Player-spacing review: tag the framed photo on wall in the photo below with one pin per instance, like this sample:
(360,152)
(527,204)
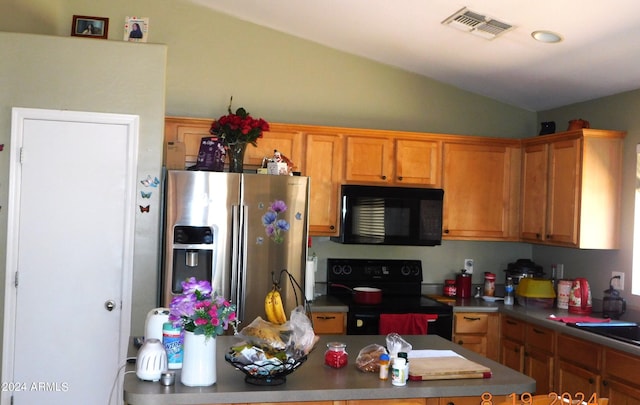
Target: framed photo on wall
(136,29)
(91,27)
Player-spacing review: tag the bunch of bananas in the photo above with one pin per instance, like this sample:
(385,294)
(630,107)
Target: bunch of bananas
(274,308)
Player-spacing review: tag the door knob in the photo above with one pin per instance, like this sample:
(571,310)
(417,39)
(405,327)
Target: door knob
(110,305)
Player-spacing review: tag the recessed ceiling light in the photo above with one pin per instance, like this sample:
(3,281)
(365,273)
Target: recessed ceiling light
(546,36)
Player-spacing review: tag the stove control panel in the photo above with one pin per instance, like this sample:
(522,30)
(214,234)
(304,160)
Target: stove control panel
(367,270)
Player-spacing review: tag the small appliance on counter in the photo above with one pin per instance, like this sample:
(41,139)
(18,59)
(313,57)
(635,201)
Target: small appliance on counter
(523,268)
(535,292)
(580,297)
(613,305)
(151,361)
(154,322)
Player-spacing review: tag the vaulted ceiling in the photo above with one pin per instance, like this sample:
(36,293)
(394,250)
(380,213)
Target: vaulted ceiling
(599,53)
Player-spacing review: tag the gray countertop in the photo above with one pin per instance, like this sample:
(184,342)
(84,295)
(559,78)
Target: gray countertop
(533,315)
(314,381)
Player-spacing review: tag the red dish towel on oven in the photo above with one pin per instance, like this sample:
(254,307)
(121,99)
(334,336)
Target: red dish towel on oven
(405,324)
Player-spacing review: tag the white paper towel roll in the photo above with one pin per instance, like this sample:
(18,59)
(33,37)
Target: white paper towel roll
(309,279)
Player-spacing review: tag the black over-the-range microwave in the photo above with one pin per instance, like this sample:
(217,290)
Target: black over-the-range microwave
(390,215)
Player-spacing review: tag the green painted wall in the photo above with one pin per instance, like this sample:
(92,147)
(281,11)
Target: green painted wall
(51,72)
(273,75)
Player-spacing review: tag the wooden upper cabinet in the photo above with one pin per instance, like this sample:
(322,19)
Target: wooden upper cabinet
(398,159)
(481,189)
(369,159)
(188,131)
(417,162)
(286,140)
(571,189)
(535,163)
(323,164)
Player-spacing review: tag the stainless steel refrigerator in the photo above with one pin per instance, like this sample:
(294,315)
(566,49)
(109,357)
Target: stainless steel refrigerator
(235,230)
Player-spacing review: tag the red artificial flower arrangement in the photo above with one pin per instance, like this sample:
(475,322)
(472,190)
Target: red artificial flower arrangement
(238,128)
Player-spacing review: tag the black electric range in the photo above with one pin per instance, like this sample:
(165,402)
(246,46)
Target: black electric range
(401,284)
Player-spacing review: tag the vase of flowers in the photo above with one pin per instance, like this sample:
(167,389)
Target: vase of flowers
(203,315)
(235,131)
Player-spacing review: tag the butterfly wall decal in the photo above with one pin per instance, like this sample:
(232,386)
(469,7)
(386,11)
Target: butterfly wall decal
(145,209)
(145,195)
(150,182)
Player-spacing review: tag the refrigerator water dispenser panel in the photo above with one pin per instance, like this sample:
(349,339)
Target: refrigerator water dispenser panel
(192,235)
(193,251)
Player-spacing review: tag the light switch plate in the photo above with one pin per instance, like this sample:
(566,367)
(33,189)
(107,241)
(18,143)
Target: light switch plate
(468,265)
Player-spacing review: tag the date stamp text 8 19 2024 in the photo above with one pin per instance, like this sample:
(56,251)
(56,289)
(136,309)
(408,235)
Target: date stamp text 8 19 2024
(551,398)
(34,386)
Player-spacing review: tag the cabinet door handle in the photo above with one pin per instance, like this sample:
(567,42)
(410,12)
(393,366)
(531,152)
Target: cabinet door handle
(383,177)
(327,318)
(332,227)
(468,318)
(605,383)
(591,380)
(510,322)
(538,331)
(446,231)
(400,178)
(537,236)
(460,342)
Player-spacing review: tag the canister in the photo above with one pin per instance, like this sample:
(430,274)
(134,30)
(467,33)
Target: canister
(463,285)
(336,355)
(172,340)
(489,284)
(449,289)
(564,290)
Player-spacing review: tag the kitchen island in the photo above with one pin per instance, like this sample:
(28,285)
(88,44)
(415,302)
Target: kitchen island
(315,382)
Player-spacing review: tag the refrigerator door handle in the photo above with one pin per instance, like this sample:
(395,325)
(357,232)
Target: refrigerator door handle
(238,257)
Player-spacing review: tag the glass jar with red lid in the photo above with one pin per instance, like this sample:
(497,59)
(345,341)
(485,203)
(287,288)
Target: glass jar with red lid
(449,289)
(336,355)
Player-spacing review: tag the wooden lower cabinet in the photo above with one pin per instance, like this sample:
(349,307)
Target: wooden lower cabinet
(579,365)
(620,377)
(495,399)
(329,323)
(476,400)
(529,349)
(479,332)
(405,401)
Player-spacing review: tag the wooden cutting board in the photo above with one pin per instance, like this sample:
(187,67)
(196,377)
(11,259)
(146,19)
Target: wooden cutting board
(445,368)
(440,298)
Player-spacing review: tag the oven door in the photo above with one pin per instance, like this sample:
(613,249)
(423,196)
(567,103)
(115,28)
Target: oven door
(368,323)
(362,323)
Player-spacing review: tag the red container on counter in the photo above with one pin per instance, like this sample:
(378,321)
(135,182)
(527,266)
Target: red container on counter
(336,355)
(449,289)
(463,285)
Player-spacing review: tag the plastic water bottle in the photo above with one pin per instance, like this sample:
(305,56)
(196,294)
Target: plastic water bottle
(508,292)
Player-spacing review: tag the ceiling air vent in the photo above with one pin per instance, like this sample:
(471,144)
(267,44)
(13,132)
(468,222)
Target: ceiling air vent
(477,24)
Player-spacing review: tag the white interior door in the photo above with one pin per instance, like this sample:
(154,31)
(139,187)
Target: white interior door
(70,249)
